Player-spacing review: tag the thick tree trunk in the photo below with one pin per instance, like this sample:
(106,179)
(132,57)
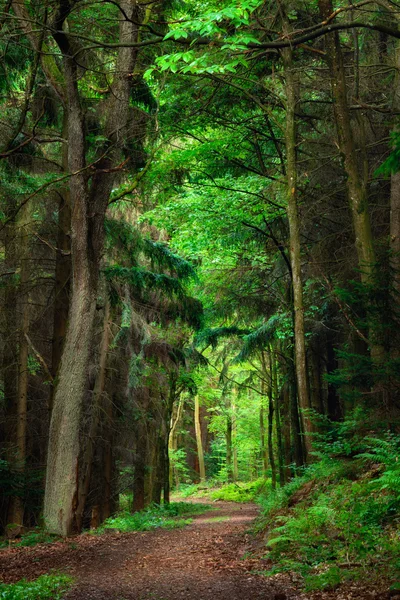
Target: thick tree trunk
(63,267)
(356,181)
(356,184)
(87,459)
(62,476)
(88,206)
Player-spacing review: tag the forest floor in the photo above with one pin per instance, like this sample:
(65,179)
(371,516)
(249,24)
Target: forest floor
(211,559)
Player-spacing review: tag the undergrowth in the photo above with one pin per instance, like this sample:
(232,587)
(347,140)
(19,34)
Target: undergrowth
(31,538)
(170,516)
(229,492)
(46,587)
(340,520)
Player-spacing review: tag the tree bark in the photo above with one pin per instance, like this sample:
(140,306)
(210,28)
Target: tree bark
(16,509)
(87,459)
(88,205)
(395,207)
(295,247)
(199,441)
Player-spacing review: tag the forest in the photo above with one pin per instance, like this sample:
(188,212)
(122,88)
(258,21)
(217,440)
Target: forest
(200,296)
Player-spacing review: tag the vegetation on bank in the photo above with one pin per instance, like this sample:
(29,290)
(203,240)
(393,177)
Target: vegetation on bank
(46,587)
(171,516)
(228,492)
(164,516)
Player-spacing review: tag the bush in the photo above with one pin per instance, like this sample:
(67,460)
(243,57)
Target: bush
(46,587)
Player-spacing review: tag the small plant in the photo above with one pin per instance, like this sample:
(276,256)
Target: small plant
(327,580)
(46,587)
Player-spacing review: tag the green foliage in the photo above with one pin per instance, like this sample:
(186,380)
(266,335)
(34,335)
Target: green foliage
(46,587)
(178,462)
(33,537)
(386,452)
(241,492)
(211,337)
(328,579)
(154,517)
(260,338)
(337,514)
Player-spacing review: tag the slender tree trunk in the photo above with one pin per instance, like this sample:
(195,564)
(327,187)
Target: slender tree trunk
(286,429)
(228,437)
(297,434)
(16,509)
(199,441)
(10,350)
(278,428)
(294,239)
(173,437)
(270,439)
(235,466)
(139,481)
(264,451)
(395,208)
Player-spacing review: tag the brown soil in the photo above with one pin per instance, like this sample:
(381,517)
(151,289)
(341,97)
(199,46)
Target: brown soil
(207,560)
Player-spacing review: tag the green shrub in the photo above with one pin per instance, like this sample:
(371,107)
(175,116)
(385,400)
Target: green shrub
(46,587)
(328,579)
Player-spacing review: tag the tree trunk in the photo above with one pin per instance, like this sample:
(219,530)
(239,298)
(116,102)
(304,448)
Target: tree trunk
(294,239)
(173,438)
(285,402)
(395,208)
(270,440)
(235,466)
(88,206)
(63,266)
(16,509)
(199,441)
(87,459)
(264,452)
(278,428)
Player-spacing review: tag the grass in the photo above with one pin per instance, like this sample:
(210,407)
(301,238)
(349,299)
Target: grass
(46,587)
(171,516)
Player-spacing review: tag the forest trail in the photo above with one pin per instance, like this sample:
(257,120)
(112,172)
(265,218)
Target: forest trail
(203,561)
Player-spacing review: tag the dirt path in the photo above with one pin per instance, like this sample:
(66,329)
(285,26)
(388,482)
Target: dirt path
(204,561)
